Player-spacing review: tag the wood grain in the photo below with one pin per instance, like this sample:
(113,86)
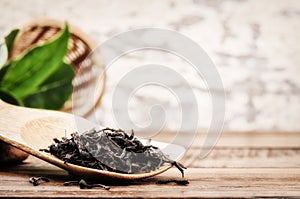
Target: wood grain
(222,157)
(204,182)
(243,149)
(257,139)
(230,170)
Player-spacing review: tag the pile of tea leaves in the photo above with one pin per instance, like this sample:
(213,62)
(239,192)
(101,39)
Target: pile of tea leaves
(111,150)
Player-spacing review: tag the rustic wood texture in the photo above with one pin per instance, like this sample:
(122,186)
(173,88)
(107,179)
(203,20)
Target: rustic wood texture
(230,170)
(244,158)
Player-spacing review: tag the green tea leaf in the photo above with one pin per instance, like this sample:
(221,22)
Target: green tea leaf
(25,74)
(3,54)
(7,97)
(5,49)
(3,71)
(10,38)
(55,91)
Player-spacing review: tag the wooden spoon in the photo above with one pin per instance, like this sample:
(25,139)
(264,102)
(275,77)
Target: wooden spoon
(33,129)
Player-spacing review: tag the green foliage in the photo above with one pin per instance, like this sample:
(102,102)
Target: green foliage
(39,78)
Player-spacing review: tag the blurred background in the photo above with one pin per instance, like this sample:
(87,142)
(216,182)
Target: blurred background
(254,45)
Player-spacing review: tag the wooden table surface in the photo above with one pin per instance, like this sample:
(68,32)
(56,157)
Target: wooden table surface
(241,165)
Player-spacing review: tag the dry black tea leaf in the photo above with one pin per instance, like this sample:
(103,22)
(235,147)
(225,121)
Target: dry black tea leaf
(111,150)
(37,180)
(178,182)
(84,185)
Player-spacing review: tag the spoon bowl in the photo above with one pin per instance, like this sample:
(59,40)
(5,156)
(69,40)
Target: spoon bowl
(32,129)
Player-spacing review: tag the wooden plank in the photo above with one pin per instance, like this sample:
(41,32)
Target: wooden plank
(255,139)
(204,182)
(225,157)
(260,139)
(230,170)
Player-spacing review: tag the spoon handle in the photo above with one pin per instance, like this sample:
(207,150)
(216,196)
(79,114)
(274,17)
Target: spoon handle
(12,119)
(31,129)
(34,125)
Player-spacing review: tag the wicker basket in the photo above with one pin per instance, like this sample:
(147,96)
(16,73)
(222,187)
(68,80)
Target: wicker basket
(79,55)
